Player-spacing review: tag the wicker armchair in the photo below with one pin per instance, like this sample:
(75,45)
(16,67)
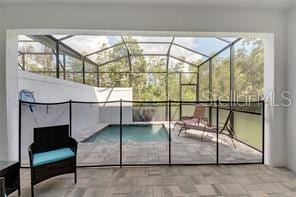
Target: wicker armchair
(53,153)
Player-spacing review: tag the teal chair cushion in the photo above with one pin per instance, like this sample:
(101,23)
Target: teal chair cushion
(52,156)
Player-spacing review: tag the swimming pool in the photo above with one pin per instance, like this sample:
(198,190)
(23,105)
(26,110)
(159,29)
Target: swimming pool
(130,133)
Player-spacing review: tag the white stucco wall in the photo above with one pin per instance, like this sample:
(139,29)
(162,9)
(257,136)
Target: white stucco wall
(3,123)
(49,89)
(291,85)
(165,18)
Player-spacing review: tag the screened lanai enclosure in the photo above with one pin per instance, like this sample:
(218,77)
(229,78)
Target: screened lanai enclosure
(172,79)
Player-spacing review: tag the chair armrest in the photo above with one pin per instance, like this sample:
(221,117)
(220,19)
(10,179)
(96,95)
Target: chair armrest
(72,143)
(31,150)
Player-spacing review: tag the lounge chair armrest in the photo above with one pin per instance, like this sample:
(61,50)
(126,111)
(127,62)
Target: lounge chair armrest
(187,118)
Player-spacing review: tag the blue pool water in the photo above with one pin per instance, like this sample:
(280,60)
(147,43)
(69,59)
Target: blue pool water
(130,133)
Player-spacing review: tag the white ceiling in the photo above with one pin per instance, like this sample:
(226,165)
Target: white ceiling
(232,3)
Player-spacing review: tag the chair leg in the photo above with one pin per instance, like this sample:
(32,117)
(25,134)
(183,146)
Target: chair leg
(75,177)
(180,131)
(19,190)
(32,190)
(234,146)
(203,134)
(232,135)
(174,124)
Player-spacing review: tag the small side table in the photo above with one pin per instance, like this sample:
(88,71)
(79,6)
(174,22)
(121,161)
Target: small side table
(10,170)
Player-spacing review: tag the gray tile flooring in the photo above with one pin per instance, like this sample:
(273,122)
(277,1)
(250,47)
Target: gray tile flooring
(187,181)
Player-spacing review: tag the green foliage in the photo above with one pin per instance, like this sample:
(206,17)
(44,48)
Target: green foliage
(221,76)
(204,82)
(249,69)
(40,63)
